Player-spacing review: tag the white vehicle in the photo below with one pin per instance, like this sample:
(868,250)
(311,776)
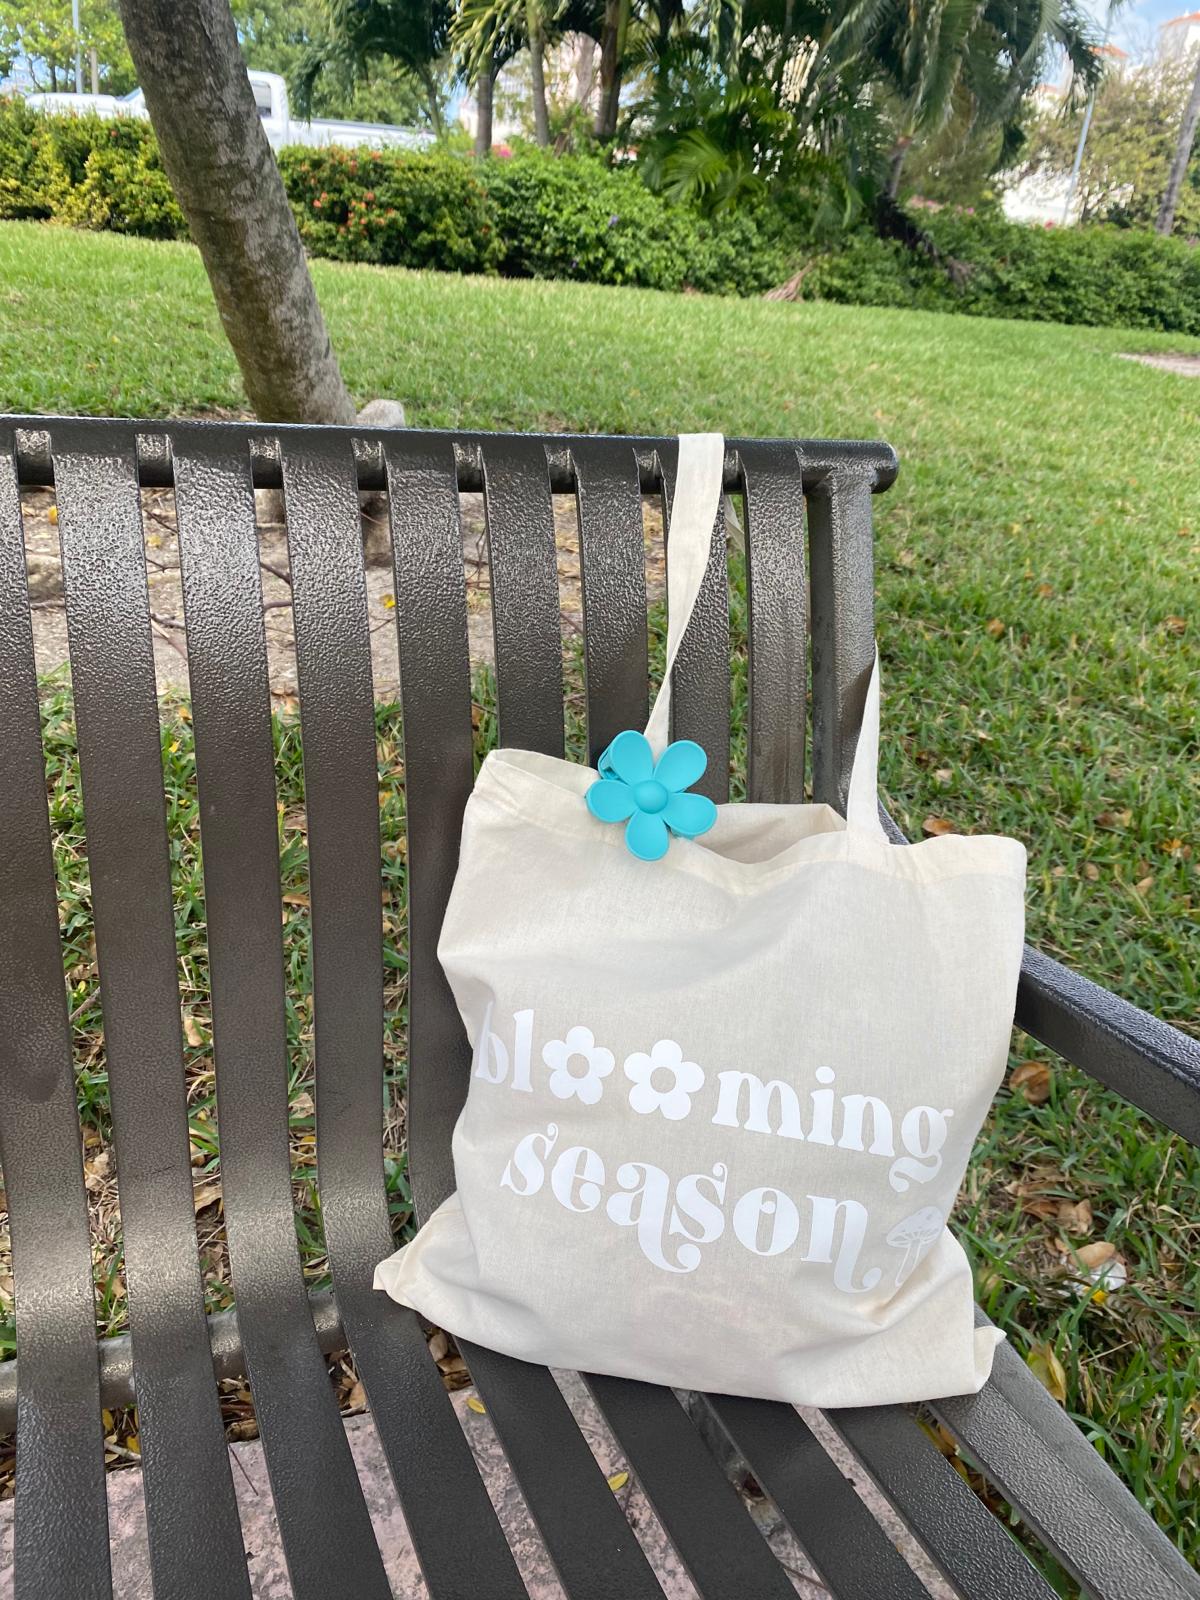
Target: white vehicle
(271,98)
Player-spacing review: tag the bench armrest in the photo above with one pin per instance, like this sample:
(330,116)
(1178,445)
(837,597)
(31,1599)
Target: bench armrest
(1151,1064)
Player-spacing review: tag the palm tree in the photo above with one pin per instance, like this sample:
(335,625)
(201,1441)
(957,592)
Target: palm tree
(413,33)
(979,58)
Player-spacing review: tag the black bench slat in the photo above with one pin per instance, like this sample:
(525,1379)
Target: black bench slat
(700,691)
(594,1550)
(839,1535)
(1026,1444)
(523,561)
(323,1521)
(841,558)
(969,1545)
(428,1456)
(435,695)
(698,1507)
(60,1535)
(190,1501)
(776,604)
(612,556)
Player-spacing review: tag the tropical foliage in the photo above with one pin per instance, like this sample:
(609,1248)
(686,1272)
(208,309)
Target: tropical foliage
(726,101)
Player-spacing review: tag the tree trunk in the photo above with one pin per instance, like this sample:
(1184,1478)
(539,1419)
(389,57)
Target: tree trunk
(537,72)
(94,62)
(606,112)
(1183,154)
(229,188)
(896,167)
(485,87)
(430,84)
(612,50)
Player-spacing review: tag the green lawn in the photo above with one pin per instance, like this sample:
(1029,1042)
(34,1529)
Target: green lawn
(1039,617)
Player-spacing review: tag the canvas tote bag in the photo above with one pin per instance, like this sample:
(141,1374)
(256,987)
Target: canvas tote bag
(728,1065)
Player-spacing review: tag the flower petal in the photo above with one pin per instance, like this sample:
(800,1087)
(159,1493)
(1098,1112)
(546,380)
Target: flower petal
(629,758)
(681,765)
(610,800)
(689,814)
(647,836)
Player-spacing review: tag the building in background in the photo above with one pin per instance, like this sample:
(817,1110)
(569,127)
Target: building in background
(1180,36)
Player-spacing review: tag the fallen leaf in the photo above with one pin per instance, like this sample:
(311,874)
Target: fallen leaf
(52,514)
(295,900)
(1091,871)
(617,1480)
(1048,1370)
(1044,591)
(205,1194)
(1031,1079)
(192,1031)
(934,827)
(1075,1216)
(1175,625)
(357,1398)
(1098,1254)
(995,628)
(1145,883)
(96,1171)
(474,1403)
(439,1346)
(1114,820)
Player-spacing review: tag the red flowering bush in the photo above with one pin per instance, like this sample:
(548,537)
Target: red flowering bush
(402,211)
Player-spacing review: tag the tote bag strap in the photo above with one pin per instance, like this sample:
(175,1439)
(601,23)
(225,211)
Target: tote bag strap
(699,488)
(699,485)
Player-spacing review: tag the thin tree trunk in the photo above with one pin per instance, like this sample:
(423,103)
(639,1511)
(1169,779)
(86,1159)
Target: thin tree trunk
(537,72)
(606,112)
(228,186)
(485,95)
(896,167)
(94,62)
(431,98)
(1183,154)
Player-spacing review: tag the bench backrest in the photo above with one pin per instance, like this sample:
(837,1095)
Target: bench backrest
(807,515)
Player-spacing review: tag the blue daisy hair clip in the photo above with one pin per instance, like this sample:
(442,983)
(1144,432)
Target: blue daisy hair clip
(650,797)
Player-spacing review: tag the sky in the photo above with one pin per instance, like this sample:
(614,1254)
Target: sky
(1136,22)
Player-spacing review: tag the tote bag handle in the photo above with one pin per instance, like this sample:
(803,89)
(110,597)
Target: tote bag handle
(699,490)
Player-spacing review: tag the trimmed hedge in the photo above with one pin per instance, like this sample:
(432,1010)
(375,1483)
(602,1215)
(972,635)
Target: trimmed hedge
(532,215)
(538,215)
(1100,276)
(85,171)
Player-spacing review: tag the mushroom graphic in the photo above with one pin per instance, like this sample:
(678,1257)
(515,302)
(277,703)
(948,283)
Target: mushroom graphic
(914,1236)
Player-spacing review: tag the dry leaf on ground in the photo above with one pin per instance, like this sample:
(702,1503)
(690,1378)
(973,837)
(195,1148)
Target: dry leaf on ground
(1032,1079)
(1048,1370)
(934,827)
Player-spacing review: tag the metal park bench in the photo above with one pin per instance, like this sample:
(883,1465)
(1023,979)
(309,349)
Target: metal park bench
(798,497)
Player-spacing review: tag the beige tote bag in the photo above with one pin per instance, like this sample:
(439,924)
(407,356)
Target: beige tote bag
(722,1092)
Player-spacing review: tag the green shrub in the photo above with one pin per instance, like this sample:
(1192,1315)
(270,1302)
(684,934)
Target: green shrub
(85,171)
(544,216)
(22,184)
(1098,276)
(393,209)
(573,217)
